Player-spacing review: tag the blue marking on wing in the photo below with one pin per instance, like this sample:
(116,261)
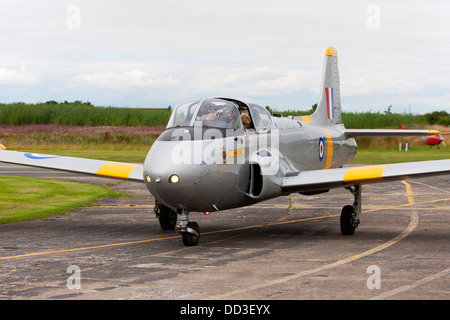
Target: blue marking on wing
(37,157)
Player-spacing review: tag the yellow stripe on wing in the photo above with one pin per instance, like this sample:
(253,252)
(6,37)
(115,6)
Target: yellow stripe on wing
(364,173)
(117,170)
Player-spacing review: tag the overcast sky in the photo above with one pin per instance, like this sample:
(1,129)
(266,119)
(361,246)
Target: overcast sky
(159,53)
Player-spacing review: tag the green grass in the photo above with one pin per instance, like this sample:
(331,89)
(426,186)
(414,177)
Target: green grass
(393,155)
(79,113)
(53,137)
(24,198)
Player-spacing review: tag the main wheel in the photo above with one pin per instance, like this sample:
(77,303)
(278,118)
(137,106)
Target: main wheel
(167,218)
(190,239)
(347,227)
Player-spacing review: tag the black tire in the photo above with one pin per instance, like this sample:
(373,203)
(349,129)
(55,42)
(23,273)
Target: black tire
(190,239)
(347,228)
(167,218)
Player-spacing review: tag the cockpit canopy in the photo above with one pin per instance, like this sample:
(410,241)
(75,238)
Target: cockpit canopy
(215,113)
(220,113)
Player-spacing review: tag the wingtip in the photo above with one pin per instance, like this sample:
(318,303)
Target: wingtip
(331,51)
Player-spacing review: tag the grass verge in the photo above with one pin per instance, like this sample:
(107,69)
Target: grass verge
(393,155)
(24,198)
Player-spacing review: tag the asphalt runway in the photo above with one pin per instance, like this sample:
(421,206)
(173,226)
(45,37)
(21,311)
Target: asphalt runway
(288,248)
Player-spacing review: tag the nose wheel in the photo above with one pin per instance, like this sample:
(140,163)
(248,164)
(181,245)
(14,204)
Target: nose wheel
(191,236)
(190,231)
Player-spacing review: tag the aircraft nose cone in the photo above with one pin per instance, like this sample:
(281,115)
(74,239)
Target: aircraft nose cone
(168,181)
(190,185)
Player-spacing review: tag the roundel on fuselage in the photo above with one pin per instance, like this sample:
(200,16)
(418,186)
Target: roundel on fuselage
(321,148)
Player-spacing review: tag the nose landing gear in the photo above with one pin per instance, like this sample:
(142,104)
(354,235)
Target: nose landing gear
(190,231)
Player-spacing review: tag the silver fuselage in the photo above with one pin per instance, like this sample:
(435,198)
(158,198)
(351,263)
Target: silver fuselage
(223,170)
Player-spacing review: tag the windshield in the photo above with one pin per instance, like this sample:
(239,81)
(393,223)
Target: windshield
(214,113)
(182,114)
(261,117)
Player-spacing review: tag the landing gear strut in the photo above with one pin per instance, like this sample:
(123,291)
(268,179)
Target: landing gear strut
(190,231)
(350,214)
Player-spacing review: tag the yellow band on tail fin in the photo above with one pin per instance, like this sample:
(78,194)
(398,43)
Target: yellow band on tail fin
(331,52)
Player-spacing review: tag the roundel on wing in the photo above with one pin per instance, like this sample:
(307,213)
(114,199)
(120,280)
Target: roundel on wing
(321,148)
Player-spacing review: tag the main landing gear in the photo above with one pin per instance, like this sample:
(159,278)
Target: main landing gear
(167,217)
(350,214)
(190,231)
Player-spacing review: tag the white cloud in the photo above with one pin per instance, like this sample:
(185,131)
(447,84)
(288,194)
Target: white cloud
(172,50)
(17,77)
(125,80)
(365,82)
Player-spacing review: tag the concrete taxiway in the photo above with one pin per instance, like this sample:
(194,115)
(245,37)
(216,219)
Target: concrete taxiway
(288,248)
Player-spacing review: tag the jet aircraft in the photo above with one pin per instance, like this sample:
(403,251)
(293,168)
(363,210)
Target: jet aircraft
(220,153)
(436,140)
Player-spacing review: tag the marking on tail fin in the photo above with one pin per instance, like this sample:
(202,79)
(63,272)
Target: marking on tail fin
(331,52)
(330,105)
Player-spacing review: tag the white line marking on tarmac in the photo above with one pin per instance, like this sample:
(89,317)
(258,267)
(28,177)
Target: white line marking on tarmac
(413,222)
(412,285)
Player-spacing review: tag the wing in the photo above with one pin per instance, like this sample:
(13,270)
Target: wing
(95,167)
(320,180)
(372,133)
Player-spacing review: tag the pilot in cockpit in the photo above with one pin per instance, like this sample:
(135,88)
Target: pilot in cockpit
(208,112)
(230,116)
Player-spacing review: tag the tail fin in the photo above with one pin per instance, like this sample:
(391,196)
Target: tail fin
(328,110)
